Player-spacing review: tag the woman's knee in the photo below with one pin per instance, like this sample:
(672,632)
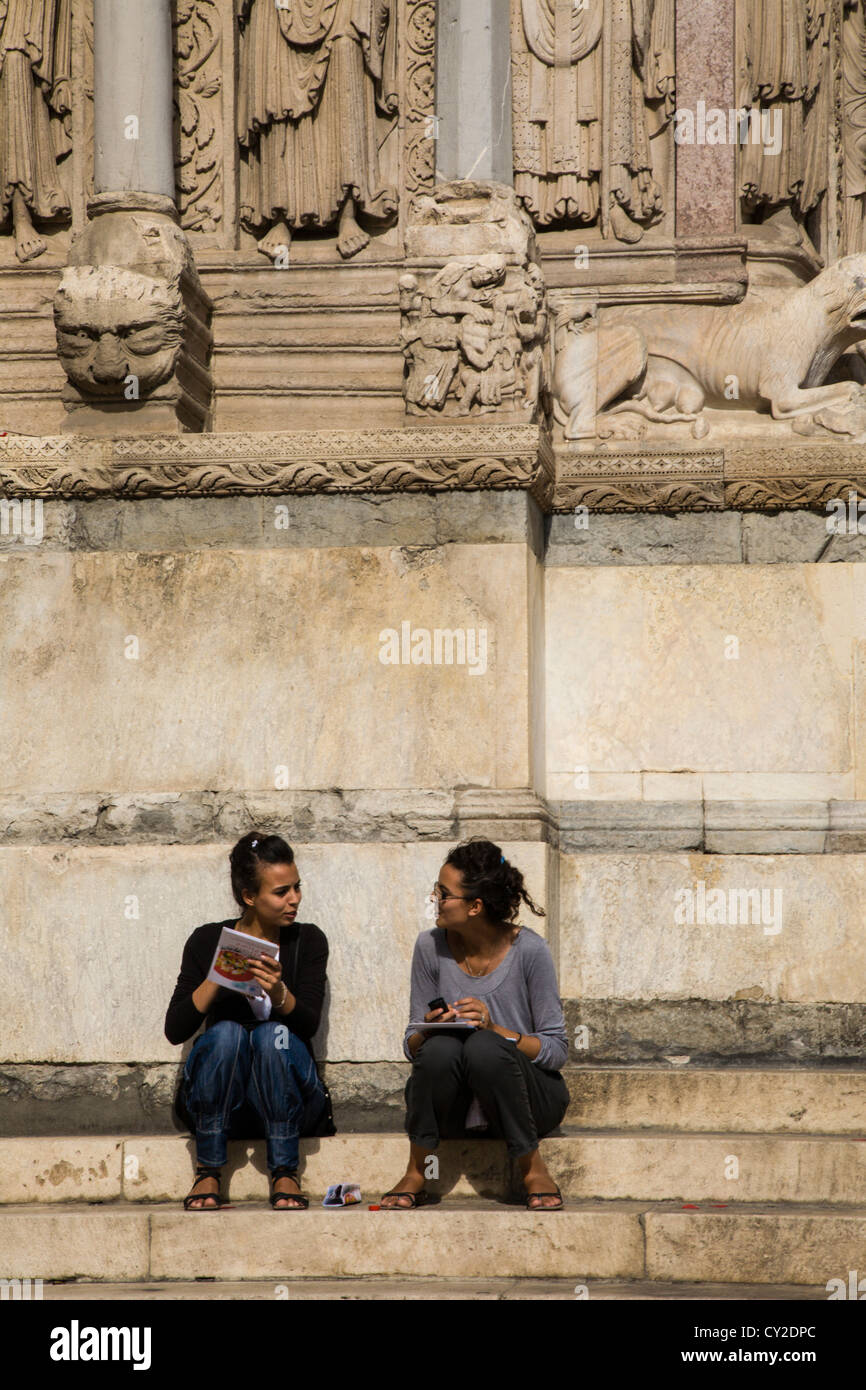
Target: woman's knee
(223,1041)
(438,1054)
(484,1052)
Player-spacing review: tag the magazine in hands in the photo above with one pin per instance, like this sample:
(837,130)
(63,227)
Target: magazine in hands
(229,967)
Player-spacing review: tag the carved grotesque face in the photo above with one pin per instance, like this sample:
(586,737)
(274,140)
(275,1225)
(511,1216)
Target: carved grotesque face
(113,324)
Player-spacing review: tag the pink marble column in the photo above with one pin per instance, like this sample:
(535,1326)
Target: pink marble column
(706,200)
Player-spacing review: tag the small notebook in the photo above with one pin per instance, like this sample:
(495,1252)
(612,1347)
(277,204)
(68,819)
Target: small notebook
(455,1023)
(229,967)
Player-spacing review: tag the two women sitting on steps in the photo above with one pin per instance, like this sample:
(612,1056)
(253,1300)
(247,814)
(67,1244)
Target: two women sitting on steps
(491,1064)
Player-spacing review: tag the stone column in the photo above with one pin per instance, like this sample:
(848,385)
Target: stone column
(133,97)
(706,197)
(132,318)
(472,126)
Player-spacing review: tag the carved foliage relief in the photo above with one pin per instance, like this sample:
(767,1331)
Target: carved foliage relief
(198,52)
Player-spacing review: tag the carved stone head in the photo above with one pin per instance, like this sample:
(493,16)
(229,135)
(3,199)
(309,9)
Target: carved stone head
(113,324)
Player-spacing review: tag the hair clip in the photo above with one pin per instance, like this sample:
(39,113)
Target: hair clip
(502,858)
(253,844)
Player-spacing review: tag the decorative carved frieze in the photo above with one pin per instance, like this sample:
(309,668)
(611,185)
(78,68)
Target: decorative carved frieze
(437,460)
(640,480)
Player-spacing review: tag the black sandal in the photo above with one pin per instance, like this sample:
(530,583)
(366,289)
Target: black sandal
(297,1200)
(216,1198)
(416,1199)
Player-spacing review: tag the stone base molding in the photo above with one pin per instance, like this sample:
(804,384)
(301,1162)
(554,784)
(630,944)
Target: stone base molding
(193,465)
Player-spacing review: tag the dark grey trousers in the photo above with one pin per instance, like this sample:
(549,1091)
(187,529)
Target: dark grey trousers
(521,1101)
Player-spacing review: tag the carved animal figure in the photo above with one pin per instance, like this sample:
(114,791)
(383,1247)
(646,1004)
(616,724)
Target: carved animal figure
(755,354)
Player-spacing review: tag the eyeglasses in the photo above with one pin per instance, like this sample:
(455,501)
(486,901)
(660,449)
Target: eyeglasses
(442,893)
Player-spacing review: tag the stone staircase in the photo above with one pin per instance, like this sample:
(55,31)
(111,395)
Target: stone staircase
(696,1183)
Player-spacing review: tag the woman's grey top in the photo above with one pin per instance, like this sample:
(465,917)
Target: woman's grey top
(521,993)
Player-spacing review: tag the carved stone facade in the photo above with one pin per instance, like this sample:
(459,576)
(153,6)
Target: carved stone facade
(342,282)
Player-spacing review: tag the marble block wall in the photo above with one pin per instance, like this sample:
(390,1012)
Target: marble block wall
(663,726)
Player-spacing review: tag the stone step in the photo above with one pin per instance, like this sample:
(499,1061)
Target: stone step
(460,1240)
(761,1100)
(432,1290)
(648,1166)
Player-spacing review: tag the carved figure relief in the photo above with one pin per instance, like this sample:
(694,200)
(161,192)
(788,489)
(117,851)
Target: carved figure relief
(669,364)
(783,78)
(474,337)
(317,94)
(35,107)
(592,83)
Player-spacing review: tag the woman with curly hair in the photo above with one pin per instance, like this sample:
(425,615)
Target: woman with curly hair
(509,1060)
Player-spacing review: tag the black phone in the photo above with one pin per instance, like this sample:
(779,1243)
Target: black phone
(438,1003)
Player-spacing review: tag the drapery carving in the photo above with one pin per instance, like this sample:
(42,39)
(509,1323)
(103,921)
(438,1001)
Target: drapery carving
(782,69)
(35,108)
(592,84)
(317,93)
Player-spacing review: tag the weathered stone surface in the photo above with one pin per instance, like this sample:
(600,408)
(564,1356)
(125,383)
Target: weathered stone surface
(60,1170)
(197,617)
(111,1097)
(690,538)
(737,1098)
(707,1030)
(769,1248)
(639,678)
(635,1166)
(368,1096)
(82,1243)
(755,947)
(601,1243)
(288,522)
(432,1290)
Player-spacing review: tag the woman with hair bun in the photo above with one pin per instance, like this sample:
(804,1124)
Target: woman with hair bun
(491,972)
(251,1071)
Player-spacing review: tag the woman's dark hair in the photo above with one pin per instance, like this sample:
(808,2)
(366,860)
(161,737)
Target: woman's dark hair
(488,875)
(255,849)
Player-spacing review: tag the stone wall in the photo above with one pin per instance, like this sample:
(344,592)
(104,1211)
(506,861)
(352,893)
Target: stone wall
(610,745)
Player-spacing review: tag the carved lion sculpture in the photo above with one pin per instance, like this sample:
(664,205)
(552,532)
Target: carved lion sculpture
(772,353)
(113,324)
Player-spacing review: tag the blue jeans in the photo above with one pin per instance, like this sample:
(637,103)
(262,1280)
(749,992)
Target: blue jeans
(266,1066)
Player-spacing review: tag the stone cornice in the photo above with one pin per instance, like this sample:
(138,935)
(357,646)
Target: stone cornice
(436,459)
(747,476)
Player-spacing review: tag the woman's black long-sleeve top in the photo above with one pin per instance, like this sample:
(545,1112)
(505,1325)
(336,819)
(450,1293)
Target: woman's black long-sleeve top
(183,1018)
